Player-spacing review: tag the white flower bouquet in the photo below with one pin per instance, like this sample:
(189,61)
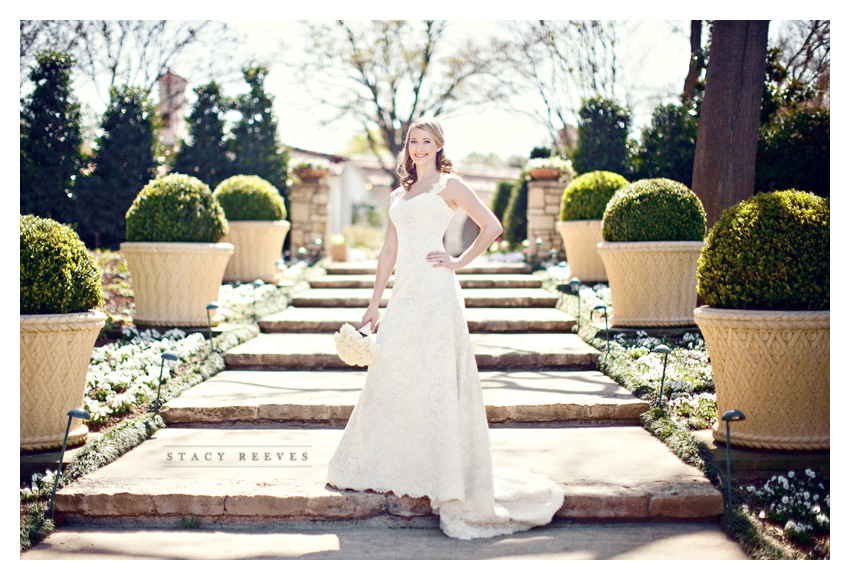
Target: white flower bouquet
(355,347)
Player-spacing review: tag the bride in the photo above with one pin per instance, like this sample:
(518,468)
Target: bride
(419,427)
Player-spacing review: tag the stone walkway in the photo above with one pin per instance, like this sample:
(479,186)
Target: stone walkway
(250,446)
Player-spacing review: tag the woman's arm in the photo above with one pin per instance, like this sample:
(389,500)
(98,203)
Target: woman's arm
(386,264)
(460,194)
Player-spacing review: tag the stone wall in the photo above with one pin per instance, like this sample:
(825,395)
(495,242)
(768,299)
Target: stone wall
(310,217)
(544,207)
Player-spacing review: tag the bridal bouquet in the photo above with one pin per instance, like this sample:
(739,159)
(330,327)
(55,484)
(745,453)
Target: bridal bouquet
(355,347)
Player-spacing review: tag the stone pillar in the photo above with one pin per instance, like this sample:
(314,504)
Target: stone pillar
(544,211)
(309,214)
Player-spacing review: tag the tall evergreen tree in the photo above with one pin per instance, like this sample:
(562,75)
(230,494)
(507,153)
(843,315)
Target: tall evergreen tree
(204,155)
(500,200)
(603,134)
(124,161)
(51,137)
(255,146)
(668,144)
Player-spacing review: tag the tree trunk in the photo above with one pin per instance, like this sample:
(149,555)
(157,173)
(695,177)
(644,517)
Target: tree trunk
(725,161)
(697,63)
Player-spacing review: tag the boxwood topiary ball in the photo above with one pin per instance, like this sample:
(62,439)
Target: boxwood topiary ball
(176,208)
(586,197)
(769,252)
(58,275)
(654,210)
(250,198)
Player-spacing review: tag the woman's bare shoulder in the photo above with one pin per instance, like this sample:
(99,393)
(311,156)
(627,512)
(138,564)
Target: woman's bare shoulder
(456,184)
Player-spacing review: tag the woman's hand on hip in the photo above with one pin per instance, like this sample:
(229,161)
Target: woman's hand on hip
(442,259)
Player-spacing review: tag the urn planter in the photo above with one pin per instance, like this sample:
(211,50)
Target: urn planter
(311,174)
(174,281)
(258,246)
(55,354)
(545,173)
(580,239)
(773,366)
(653,284)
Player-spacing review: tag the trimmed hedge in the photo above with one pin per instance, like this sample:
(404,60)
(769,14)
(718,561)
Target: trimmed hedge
(587,196)
(654,210)
(176,208)
(250,198)
(58,275)
(769,252)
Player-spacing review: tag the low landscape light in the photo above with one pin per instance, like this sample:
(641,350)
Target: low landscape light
(210,306)
(78,413)
(604,309)
(665,350)
(575,288)
(730,416)
(257,284)
(167,355)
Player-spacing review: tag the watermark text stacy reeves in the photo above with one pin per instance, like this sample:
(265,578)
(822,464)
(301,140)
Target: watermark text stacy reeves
(237,456)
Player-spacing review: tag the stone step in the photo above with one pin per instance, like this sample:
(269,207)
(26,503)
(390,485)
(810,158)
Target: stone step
(260,475)
(328,397)
(473,297)
(466,281)
(479,320)
(496,351)
(476,267)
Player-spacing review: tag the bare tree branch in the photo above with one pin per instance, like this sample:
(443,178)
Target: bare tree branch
(385,74)
(563,62)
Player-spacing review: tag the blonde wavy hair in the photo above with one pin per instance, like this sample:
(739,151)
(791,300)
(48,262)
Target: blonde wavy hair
(405,168)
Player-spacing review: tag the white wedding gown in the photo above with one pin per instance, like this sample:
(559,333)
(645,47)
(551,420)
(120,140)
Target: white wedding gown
(419,427)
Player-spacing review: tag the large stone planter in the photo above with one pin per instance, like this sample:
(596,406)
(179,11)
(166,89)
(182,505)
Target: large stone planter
(652,283)
(173,281)
(258,245)
(55,354)
(773,366)
(580,240)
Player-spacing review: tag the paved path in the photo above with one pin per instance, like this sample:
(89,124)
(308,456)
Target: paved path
(381,540)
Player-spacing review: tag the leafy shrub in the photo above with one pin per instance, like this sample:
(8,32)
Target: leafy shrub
(176,208)
(58,275)
(793,153)
(668,145)
(250,198)
(515,221)
(769,252)
(654,210)
(586,197)
(500,200)
(603,136)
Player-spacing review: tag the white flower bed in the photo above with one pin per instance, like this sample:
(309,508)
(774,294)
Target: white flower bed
(125,373)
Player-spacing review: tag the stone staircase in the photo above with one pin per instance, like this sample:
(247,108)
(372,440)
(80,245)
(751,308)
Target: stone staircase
(253,442)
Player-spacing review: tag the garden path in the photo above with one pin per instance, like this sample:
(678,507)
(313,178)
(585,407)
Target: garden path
(252,443)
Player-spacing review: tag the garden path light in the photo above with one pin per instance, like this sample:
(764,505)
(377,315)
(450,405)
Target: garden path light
(168,355)
(604,309)
(664,349)
(78,413)
(728,416)
(210,306)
